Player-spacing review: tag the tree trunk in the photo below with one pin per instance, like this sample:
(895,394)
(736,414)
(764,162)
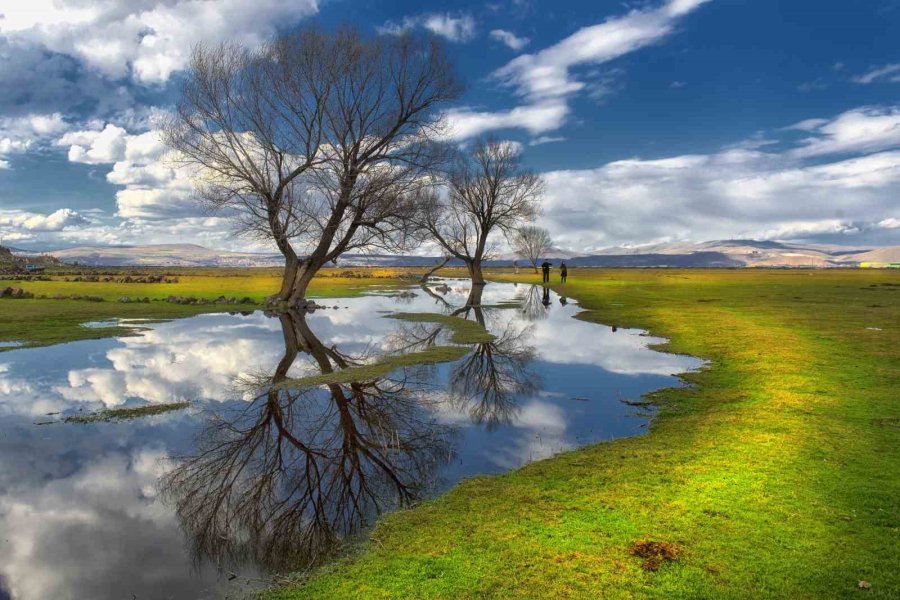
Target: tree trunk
(474,302)
(474,268)
(302,278)
(291,263)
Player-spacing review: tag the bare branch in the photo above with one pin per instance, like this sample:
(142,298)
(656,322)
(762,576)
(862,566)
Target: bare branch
(532,243)
(489,192)
(320,142)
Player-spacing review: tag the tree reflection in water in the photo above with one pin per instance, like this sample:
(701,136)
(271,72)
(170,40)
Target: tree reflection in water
(282,482)
(532,299)
(485,383)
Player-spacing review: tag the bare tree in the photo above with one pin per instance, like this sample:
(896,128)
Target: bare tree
(317,141)
(488,191)
(531,242)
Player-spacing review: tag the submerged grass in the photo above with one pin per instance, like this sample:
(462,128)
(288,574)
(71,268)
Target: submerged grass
(126,413)
(384,366)
(462,332)
(776,474)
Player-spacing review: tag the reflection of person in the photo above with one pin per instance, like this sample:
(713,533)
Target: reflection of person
(546,299)
(545,268)
(563,271)
(563,301)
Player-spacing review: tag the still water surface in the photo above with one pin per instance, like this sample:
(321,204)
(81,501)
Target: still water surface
(257,478)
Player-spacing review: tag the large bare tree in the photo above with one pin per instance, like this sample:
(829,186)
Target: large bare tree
(488,191)
(316,141)
(531,242)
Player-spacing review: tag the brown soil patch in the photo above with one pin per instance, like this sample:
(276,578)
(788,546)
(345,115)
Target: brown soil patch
(655,553)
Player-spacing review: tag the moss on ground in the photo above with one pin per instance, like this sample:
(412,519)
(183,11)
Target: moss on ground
(774,475)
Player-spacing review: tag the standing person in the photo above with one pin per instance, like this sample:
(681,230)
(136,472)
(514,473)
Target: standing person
(563,271)
(545,269)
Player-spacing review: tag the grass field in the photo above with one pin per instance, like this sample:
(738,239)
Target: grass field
(775,475)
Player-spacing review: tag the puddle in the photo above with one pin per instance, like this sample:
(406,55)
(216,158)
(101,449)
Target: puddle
(116,323)
(261,472)
(101,324)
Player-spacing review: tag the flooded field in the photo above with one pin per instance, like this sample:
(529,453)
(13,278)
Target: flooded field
(208,453)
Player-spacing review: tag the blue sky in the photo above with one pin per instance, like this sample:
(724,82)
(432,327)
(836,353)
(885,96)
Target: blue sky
(654,121)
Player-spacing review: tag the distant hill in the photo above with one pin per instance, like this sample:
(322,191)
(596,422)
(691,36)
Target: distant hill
(723,253)
(554,252)
(744,253)
(14,260)
(192,255)
(166,255)
(7,260)
(692,259)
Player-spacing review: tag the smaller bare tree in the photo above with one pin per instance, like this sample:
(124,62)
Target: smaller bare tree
(531,242)
(488,192)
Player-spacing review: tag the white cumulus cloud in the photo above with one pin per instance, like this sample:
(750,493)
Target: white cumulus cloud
(12,221)
(147,40)
(20,134)
(865,129)
(153,187)
(733,193)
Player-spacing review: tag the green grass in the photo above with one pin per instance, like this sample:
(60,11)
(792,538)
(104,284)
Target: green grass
(776,474)
(40,322)
(127,413)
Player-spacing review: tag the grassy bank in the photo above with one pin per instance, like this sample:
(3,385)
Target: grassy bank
(38,322)
(776,474)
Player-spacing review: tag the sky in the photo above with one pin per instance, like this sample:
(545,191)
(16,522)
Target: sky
(650,121)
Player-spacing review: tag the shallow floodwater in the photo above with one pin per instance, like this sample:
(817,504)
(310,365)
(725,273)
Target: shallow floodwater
(257,476)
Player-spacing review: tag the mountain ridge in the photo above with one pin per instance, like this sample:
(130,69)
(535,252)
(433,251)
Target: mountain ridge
(721,253)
